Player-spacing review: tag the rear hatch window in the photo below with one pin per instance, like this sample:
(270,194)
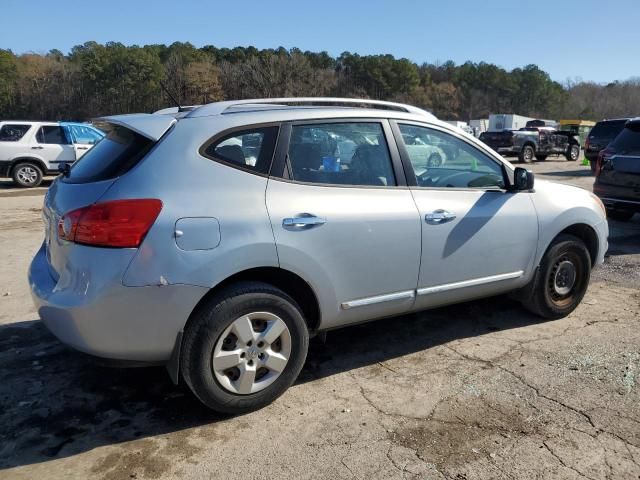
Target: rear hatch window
(628,142)
(117,153)
(607,129)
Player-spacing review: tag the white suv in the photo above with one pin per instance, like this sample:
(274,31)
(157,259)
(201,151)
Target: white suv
(30,150)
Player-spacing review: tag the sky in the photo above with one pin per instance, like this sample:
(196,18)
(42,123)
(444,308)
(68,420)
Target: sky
(591,40)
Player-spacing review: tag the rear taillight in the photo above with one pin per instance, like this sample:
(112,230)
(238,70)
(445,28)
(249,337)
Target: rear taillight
(118,223)
(601,159)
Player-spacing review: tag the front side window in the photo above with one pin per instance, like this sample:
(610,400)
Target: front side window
(441,160)
(13,133)
(247,149)
(340,154)
(86,135)
(52,134)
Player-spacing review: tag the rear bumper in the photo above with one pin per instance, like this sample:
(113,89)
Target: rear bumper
(616,197)
(110,320)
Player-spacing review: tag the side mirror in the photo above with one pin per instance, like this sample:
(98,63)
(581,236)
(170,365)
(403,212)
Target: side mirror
(522,179)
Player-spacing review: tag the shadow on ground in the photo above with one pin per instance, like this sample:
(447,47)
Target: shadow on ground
(56,403)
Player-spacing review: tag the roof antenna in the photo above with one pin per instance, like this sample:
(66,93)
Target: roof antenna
(173,99)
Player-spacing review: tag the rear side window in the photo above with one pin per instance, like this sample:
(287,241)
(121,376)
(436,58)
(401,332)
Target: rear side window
(250,149)
(53,135)
(628,142)
(608,129)
(113,156)
(13,133)
(340,154)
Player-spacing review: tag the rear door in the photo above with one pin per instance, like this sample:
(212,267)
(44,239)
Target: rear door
(54,146)
(343,219)
(478,239)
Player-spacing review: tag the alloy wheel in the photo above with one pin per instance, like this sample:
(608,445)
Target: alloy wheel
(251,353)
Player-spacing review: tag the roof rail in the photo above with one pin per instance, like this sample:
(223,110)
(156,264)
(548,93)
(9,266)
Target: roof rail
(219,108)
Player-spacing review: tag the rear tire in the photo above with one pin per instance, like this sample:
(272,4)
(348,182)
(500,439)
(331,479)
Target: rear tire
(620,215)
(573,153)
(562,279)
(592,165)
(527,154)
(234,323)
(26,175)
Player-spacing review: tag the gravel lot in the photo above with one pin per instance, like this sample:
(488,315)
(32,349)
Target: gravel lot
(475,391)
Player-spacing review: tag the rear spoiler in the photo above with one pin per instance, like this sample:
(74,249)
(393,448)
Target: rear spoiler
(149,125)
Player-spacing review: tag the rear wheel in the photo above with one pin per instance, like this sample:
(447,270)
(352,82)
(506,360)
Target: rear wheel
(573,153)
(527,154)
(621,215)
(27,174)
(562,279)
(244,347)
(592,164)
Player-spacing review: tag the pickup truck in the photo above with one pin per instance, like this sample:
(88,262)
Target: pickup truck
(533,142)
(30,150)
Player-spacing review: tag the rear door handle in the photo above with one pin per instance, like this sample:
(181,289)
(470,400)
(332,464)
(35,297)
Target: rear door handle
(37,148)
(302,222)
(82,148)
(438,217)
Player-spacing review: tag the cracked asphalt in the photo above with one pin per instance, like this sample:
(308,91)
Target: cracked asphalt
(474,391)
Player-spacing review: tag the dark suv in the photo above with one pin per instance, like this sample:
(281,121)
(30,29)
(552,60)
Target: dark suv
(600,136)
(618,173)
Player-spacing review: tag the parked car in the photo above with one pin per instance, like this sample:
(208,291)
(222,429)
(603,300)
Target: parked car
(168,243)
(600,136)
(618,173)
(30,150)
(533,142)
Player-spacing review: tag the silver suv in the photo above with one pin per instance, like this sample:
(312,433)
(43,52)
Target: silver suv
(217,240)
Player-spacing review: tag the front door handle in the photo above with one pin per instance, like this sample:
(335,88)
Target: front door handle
(438,217)
(302,222)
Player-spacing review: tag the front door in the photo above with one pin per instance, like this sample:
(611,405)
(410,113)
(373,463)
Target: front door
(478,239)
(343,221)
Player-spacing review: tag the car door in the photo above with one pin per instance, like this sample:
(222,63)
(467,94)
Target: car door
(478,238)
(54,146)
(83,138)
(343,218)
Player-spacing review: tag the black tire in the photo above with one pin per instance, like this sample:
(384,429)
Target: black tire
(620,215)
(27,174)
(211,320)
(573,153)
(592,164)
(542,297)
(527,154)
(541,158)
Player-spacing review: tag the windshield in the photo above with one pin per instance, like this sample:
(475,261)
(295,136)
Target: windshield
(607,129)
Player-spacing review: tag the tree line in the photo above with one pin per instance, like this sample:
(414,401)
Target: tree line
(100,79)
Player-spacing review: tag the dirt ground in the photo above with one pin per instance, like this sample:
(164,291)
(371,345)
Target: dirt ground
(479,390)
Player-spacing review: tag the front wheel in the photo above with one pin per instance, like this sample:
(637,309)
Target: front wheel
(27,174)
(526,154)
(562,279)
(244,347)
(573,153)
